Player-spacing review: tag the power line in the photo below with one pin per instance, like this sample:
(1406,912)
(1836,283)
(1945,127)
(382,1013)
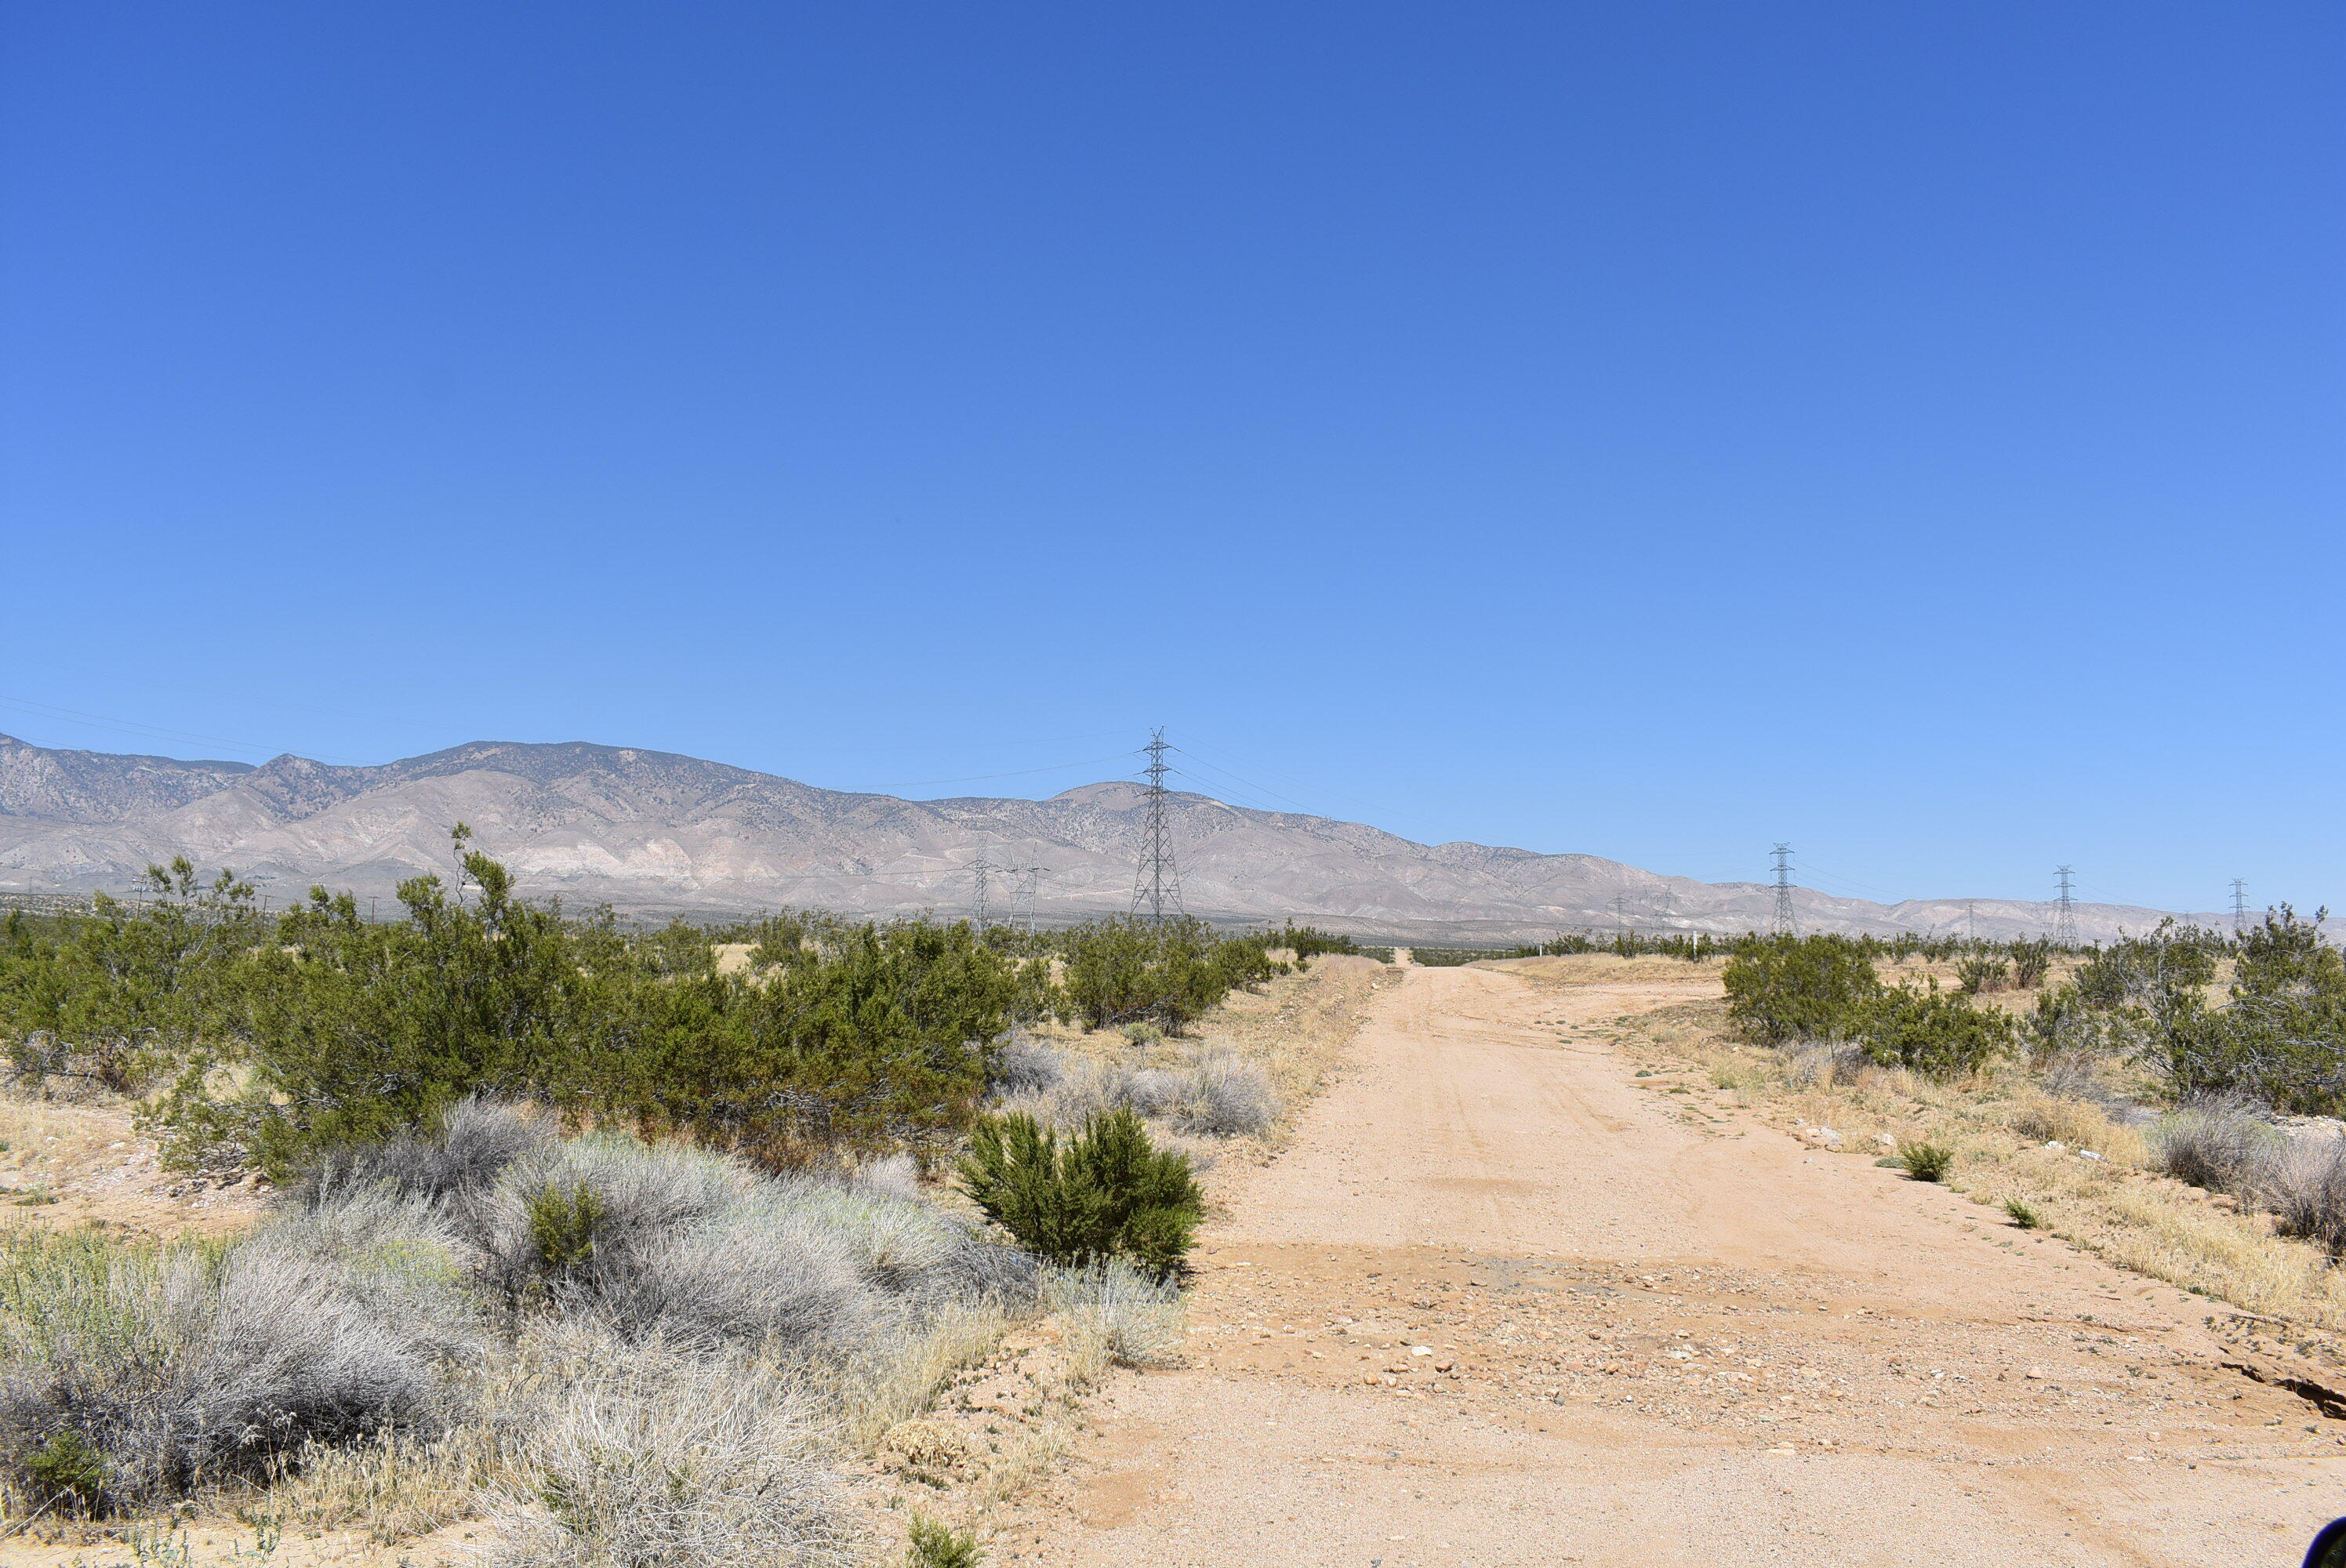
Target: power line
(2064,918)
(1156,881)
(1782,921)
(2239,904)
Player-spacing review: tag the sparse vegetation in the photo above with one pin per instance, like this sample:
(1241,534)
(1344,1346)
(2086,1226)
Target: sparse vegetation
(2022,1214)
(1926,1162)
(934,1545)
(1105,1193)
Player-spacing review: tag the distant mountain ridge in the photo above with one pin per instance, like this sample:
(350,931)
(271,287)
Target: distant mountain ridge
(654,832)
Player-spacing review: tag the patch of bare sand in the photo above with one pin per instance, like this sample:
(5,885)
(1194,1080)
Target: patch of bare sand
(68,1165)
(1498,1304)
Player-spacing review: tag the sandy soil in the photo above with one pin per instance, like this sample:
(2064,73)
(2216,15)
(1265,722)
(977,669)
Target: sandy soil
(1502,1302)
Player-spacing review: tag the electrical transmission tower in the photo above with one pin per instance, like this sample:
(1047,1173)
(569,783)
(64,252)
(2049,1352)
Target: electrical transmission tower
(2239,904)
(1157,884)
(979,870)
(1970,920)
(1782,921)
(1022,897)
(2064,918)
(1621,910)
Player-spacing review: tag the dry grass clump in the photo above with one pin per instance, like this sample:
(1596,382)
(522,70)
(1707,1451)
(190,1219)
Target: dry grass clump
(1115,1315)
(2306,1191)
(642,1453)
(2218,1144)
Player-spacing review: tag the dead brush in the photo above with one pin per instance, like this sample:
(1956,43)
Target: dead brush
(2222,1144)
(1820,1063)
(2306,1190)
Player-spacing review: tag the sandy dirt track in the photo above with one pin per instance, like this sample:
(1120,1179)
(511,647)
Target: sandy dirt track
(1502,1302)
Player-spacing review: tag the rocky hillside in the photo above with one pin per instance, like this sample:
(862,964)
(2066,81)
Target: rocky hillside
(653,831)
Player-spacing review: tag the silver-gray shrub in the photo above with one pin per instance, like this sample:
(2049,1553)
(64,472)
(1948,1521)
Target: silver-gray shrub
(634,1453)
(705,1251)
(2219,1143)
(1023,1067)
(1809,1062)
(2306,1190)
(1228,1097)
(1116,1313)
(184,1364)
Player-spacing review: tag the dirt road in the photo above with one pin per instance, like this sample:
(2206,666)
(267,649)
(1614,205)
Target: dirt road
(1503,1303)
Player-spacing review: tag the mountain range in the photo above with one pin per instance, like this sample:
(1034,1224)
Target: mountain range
(651,832)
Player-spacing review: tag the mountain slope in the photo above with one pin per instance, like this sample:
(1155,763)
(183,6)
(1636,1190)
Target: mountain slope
(651,830)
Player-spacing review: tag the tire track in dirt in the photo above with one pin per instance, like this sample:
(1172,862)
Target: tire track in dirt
(1499,1304)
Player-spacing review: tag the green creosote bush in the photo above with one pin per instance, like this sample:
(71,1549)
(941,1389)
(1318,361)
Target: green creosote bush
(1982,972)
(1799,988)
(562,1226)
(1824,988)
(2031,961)
(935,1545)
(1930,1032)
(2025,1217)
(1105,1192)
(1927,1162)
(67,1469)
(1125,969)
(2280,1038)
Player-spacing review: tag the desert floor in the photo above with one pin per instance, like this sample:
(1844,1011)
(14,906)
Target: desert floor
(1502,1302)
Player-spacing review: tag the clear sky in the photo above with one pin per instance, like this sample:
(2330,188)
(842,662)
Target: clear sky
(1655,430)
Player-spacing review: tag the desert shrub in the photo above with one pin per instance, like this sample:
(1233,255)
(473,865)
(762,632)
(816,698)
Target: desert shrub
(1121,970)
(2031,961)
(1981,972)
(2281,1039)
(2306,1190)
(705,1252)
(850,1040)
(2065,1024)
(1105,1192)
(1226,1097)
(175,1366)
(2025,1217)
(633,1454)
(1929,1032)
(929,1544)
(1926,1162)
(2217,1143)
(467,1148)
(1799,988)
(107,1000)
(1140,1032)
(1809,1062)
(1022,1067)
(1307,942)
(2136,970)
(2051,1119)
(1118,1314)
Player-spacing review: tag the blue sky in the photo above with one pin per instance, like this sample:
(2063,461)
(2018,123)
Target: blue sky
(1652,430)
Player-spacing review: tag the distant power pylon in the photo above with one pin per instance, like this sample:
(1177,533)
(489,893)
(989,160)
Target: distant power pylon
(1621,910)
(2239,903)
(1782,921)
(1022,897)
(1157,884)
(1970,920)
(979,870)
(2064,918)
